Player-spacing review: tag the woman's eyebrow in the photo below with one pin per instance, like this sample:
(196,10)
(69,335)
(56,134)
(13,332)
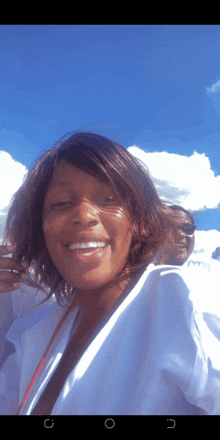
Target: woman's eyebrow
(71,185)
(56,185)
(53,184)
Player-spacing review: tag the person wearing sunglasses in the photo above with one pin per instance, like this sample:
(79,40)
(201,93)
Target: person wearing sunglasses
(114,335)
(179,242)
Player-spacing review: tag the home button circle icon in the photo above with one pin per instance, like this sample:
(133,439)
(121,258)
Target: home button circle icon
(109,423)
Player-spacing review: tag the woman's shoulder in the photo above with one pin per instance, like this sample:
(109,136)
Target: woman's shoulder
(198,285)
(192,275)
(28,299)
(162,274)
(29,311)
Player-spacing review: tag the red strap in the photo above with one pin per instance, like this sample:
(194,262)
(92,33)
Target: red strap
(43,358)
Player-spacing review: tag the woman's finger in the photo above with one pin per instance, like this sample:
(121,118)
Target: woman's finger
(7,263)
(10,281)
(11,277)
(11,264)
(5,250)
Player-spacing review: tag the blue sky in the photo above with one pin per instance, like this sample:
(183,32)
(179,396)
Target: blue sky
(153,86)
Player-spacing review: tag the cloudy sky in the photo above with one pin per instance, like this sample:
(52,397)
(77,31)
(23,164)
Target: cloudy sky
(153,88)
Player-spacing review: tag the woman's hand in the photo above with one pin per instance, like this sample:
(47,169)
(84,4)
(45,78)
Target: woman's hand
(12,273)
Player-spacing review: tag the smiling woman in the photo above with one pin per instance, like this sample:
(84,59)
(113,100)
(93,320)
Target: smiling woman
(86,188)
(179,243)
(88,234)
(114,329)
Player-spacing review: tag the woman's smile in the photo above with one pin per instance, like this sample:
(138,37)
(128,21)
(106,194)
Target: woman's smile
(90,255)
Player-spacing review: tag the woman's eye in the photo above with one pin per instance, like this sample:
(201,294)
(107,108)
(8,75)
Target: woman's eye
(60,205)
(102,201)
(108,200)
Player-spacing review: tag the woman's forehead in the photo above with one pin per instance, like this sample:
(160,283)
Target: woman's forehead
(182,217)
(66,173)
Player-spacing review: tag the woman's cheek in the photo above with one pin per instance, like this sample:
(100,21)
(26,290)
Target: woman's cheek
(53,225)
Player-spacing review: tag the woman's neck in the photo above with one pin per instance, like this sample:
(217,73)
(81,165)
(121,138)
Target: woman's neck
(95,304)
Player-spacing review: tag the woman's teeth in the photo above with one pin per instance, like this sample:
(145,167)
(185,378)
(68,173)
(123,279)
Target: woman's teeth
(91,244)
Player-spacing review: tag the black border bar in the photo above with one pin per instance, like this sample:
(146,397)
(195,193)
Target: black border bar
(109,423)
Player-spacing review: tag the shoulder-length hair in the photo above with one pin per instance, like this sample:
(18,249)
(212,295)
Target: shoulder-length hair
(110,163)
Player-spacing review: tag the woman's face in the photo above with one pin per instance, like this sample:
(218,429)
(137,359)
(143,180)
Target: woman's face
(86,228)
(182,244)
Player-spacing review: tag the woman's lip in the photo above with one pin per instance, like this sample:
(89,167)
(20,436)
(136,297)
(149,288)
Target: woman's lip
(181,245)
(181,248)
(84,239)
(94,256)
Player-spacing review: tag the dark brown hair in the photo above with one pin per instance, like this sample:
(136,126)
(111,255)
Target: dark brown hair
(109,162)
(180,208)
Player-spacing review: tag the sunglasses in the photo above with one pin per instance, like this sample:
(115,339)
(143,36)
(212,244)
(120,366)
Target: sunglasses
(188,228)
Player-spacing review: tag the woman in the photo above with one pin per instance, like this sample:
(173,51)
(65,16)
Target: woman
(115,334)
(179,243)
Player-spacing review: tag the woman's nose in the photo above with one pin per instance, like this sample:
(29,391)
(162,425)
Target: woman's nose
(180,234)
(85,213)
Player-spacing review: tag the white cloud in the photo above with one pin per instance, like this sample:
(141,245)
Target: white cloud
(11,177)
(188,181)
(214,88)
(205,244)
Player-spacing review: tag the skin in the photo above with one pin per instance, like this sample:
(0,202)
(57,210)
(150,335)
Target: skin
(10,281)
(85,205)
(179,255)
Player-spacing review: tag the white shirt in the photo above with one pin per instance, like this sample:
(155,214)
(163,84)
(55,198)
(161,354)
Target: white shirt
(158,354)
